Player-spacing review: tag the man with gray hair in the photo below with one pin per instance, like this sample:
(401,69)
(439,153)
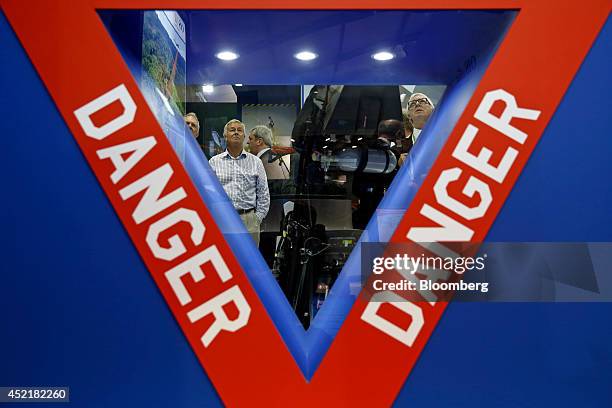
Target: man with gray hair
(415,116)
(419,110)
(260,144)
(243,178)
(191,120)
(260,140)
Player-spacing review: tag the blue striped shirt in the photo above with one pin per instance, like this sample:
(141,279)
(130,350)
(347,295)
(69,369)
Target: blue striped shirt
(244,180)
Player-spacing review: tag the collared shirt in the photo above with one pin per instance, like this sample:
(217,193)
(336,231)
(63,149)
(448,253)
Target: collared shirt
(415,135)
(244,180)
(262,151)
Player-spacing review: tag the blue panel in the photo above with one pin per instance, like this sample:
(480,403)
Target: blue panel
(565,191)
(77,306)
(533,355)
(73,315)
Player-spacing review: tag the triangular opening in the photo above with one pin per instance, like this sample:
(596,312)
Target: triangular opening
(332,161)
(330,153)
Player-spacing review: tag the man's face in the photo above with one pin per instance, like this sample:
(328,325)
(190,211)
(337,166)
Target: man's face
(192,124)
(419,110)
(255,144)
(235,135)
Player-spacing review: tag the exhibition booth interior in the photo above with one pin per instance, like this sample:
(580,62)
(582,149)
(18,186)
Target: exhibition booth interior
(335,89)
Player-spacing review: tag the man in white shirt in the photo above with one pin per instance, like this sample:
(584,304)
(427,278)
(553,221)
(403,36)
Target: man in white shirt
(243,178)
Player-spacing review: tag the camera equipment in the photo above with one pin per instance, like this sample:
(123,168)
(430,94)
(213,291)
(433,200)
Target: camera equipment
(340,158)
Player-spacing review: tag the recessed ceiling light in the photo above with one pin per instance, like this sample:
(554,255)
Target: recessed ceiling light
(227,55)
(383,56)
(237,84)
(208,88)
(305,56)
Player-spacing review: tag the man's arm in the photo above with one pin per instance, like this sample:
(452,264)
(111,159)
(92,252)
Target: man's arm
(262,199)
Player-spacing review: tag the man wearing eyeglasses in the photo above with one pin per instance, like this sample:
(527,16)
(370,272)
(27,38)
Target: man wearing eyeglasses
(418,112)
(420,108)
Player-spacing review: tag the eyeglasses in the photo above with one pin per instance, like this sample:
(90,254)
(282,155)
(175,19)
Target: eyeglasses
(414,103)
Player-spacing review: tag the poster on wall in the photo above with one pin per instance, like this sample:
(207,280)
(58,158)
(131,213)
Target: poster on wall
(163,82)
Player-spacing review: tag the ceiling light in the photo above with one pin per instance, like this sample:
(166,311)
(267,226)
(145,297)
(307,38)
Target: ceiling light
(383,56)
(238,84)
(227,55)
(208,88)
(305,56)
